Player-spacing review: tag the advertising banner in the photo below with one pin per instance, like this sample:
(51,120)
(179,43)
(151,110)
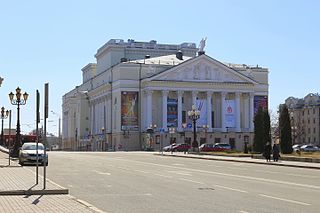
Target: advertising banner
(230,119)
(129,110)
(260,101)
(202,107)
(172,112)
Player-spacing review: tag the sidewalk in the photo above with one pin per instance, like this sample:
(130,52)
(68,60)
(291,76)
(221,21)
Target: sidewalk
(244,160)
(19,193)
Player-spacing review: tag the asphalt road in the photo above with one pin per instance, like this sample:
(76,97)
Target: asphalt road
(142,182)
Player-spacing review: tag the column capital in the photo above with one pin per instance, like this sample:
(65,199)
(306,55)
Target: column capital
(148,92)
(251,94)
(209,93)
(237,94)
(165,92)
(223,93)
(195,93)
(180,93)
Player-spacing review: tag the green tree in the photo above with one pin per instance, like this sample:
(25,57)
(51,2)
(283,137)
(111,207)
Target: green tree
(261,130)
(285,130)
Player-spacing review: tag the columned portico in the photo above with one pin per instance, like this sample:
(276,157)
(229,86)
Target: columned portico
(223,106)
(180,94)
(209,110)
(238,110)
(149,107)
(251,113)
(165,109)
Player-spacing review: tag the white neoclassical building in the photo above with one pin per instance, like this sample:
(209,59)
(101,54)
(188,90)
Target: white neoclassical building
(138,86)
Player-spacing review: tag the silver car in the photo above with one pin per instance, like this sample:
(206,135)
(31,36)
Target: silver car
(28,154)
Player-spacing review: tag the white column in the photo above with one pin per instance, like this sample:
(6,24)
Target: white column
(180,94)
(194,98)
(149,107)
(238,122)
(209,110)
(223,116)
(165,109)
(251,116)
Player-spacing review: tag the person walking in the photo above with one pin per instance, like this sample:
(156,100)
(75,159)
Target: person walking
(267,151)
(275,153)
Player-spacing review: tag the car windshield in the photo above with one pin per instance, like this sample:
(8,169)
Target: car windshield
(32,147)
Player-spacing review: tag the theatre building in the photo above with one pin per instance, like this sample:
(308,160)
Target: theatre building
(137,96)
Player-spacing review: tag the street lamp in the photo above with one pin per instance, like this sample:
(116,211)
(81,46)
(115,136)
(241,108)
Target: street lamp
(4,115)
(194,115)
(17,101)
(205,128)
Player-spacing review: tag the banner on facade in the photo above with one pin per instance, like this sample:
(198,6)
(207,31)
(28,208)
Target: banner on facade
(172,112)
(129,110)
(202,107)
(260,101)
(230,119)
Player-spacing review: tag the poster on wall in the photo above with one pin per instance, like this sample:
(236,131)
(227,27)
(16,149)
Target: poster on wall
(230,119)
(129,110)
(260,101)
(202,107)
(172,112)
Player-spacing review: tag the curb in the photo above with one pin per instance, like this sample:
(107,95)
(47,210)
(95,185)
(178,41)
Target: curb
(36,192)
(242,161)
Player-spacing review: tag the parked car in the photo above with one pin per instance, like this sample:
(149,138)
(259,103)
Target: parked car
(221,147)
(206,147)
(28,154)
(181,147)
(168,148)
(296,147)
(309,148)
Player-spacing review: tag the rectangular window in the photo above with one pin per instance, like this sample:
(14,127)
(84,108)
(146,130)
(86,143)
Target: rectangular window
(314,111)
(314,120)
(303,113)
(308,112)
(184,118)
(308,130)
(217,140)
(314,130)
(212,119)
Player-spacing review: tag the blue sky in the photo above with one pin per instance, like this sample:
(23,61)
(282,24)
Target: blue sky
(50,41)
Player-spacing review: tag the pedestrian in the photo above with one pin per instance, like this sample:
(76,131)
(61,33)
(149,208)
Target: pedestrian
(267,151)
(275,152)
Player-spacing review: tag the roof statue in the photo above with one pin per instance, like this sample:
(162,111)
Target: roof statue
(202,44)
(1,79)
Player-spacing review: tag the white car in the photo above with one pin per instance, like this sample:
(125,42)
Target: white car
(28,154)
(309,148)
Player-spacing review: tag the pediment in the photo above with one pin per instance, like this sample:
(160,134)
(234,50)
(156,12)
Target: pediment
(203,69)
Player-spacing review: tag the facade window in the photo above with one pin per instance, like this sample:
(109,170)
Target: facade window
(302,121)
(314,139)
(309,140)
(308,112)
(217,140)
(309,131)
(308,121)
(303,113)
(314,120)
(314,111)
(182,99)
(314,130)
(184,117)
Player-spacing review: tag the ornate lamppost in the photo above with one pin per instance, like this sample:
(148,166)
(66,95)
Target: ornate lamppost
(4,115)
(194,115)
(205,129)
(18,101)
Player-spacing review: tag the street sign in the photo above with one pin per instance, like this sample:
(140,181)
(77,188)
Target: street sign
(161,130)
(189,125)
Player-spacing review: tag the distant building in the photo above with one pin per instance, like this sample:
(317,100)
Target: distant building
(305,118)
(137,86)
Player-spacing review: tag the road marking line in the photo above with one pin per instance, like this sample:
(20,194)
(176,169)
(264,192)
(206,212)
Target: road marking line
(257,170)
(102,173)
(190,180)
(178,164)
(306,176)
(180,173)
(230,175)
(142,171)
(243,212)
(233,189)
(163,175)
(287,200)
